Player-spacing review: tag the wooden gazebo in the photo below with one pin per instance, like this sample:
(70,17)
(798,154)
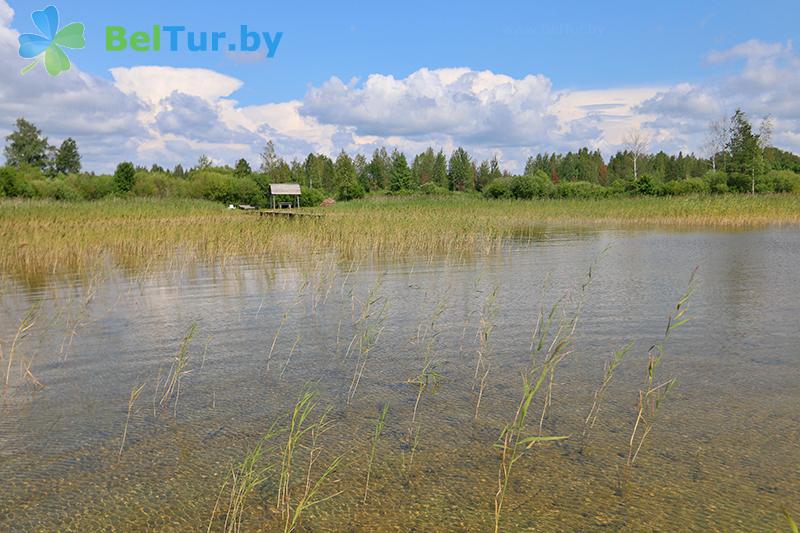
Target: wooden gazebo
(284,189)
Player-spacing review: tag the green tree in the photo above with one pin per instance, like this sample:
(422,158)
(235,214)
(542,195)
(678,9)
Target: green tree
(400,174)
(124,177)
(26,146)
(242,169)
(203,162)
(439,176)
(344,172)
(744,148)
(378,170)
(461,172)
(67,158)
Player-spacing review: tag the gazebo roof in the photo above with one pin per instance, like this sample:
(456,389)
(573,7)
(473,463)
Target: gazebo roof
(291,189)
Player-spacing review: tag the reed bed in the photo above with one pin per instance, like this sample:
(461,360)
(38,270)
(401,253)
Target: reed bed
(42,238)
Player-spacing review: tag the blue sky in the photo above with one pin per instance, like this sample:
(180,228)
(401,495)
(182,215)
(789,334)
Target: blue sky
(588,54)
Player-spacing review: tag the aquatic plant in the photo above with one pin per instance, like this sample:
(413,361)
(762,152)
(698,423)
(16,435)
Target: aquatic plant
(178,370)
(655,390)
(376,435)
(25,324)
(485,329)
(135,391)
(609,368)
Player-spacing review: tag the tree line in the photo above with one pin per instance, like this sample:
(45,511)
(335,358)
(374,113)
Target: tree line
(736,159)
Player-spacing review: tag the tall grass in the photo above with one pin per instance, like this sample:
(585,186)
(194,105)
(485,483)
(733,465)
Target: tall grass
(172,384)
(374,447)
(656,390)
(135,391)
(40,238)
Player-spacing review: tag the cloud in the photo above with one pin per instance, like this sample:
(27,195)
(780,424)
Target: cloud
(172,115)
(767,84)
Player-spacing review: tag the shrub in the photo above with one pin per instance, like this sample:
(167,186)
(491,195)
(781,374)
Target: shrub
(784,181)
(13,184)
(350,191)
(687,186)
(124,177)
(311,197)
(431,188)
(717,181)
(527,187)
(159,184)
(56,189)
(225,188)
(580,189)
(91,187)
(499,188)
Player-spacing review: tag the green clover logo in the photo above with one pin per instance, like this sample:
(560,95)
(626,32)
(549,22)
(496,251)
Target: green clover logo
(50,42)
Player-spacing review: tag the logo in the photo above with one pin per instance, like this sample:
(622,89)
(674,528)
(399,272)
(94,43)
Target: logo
(49,44)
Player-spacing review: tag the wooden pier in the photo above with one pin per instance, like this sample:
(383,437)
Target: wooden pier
(290,213)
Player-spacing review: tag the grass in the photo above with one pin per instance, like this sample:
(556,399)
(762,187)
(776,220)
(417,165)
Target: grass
(374,447)
(135,392)
(172,384)
(41,238)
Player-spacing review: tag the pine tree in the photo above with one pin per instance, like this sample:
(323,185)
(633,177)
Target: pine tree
(461,172)
(124,177)
(242,169)
(400,174)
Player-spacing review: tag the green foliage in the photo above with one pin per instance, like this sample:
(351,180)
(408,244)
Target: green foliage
(527,187)
(67,159)
(26,146)
(350,191)
(124,177)
(311,197)
(242,169)
(400,174)
(219,187)
(91,187)
(580,189)
(460,173)
(717,181)
(499,188)
(56,189)
(687,186)
(13,184)
(432,188)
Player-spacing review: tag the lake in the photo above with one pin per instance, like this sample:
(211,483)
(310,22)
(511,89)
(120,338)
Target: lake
(723,453)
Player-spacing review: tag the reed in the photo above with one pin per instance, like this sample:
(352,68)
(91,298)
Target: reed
(485,329)
(243,480)
(178,370)
(609,368)
(790,520)
(23,329)
(135,391)
(376,435)
(655,390)
(371,324)
(42,238)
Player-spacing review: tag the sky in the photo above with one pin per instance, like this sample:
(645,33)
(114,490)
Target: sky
(506,79)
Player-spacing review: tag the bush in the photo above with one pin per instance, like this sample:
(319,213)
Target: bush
(784,181)
(12,184)
(224,188)
(159,185)
(55,189)
(499,188)
(527,187)
(311,197)
(91,187)
(124,177)
(431,188)
(717,181)
(350,191)
(687,186)
(580,189)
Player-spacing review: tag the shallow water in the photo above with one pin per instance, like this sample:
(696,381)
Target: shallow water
(724,453)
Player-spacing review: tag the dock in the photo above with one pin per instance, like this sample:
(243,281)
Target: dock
(290,213)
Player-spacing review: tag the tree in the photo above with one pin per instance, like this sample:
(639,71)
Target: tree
(242,169)
(67,158)
(124,177)
(269,159)
(744,148)
(344,172)
(439,176)
(179,172)
(716,140)
(378,170)
(460,173)
(26,146)
(203,162)
(400,174)
(636,143)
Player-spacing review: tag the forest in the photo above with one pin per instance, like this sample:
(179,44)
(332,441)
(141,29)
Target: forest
(738,160)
